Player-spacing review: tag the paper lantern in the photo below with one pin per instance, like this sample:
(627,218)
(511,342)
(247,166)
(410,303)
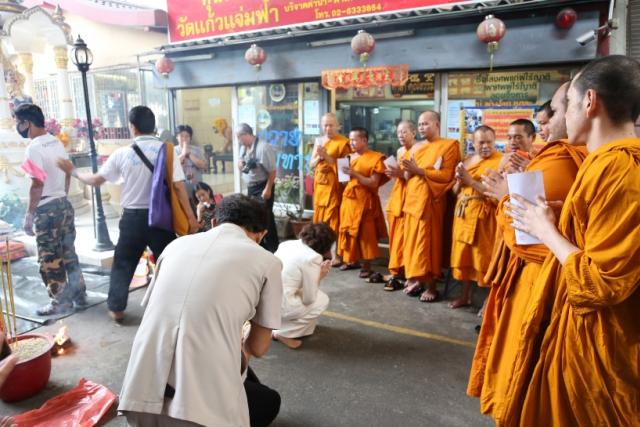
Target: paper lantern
(363,44)
(491,31)
(255,56)
(566,18)
(164,66)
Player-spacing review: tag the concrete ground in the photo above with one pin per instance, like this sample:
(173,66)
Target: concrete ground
(377,359)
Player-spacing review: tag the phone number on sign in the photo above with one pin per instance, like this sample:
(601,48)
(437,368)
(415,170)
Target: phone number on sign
(357,10)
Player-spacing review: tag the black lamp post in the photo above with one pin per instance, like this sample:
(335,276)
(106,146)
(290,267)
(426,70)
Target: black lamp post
(82,58)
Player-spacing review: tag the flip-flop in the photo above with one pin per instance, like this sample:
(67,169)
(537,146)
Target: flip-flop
(337,264)
(345,267)
(435,294)
(393,284)
(375,277)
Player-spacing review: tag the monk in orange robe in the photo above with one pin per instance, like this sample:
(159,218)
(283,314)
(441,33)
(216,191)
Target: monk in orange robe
(588,371)
(430,173)
(361,220)
(495,377)
(474,224)
(327,191)
(406,133)
(521,136)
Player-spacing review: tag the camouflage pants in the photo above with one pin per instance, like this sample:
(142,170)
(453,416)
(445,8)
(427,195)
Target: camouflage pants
(55,237)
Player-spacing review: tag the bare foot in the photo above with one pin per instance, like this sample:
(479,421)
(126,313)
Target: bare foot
(413,288)
(289,342)
(430,295)
(459,303)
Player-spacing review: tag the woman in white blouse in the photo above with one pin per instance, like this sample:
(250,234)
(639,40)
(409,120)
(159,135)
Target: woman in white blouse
(305,262)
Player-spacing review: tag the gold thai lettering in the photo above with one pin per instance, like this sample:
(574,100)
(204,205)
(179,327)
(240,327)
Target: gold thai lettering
(181,27)
(249,19)
(229,24)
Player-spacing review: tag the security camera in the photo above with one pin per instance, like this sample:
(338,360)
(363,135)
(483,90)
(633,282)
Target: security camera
(586,38)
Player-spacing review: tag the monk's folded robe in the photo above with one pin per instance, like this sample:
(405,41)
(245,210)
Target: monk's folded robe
(588,366)
(495,377)
(395,218)
(474,227)
(424,208)
(361,219)
(327,190)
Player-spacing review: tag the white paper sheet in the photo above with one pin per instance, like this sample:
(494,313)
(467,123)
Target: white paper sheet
(391,162)
(529,185)
(438,164)
(343,162)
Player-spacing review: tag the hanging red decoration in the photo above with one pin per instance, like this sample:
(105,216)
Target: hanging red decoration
(363,44)
(346,78)
(164,66)
(491,31)
(566,18)
(255,56)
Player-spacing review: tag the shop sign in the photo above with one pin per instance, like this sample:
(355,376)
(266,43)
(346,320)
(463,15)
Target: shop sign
(417,84)
(497,118)
(200,19)
(507,88)
(365,77)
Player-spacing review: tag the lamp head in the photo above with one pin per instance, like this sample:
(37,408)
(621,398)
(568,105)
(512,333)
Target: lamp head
(81,55)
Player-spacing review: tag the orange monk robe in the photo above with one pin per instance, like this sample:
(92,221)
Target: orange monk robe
(395,218)
(588,366)
(424,208)
(327,190)
(495,377)
(474,227)
(361,219)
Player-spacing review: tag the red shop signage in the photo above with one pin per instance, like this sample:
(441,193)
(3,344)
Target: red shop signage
(200,19)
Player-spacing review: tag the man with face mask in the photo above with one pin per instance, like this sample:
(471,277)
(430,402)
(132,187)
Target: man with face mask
(51,213)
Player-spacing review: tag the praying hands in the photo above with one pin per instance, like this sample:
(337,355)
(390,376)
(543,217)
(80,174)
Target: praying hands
(495,184)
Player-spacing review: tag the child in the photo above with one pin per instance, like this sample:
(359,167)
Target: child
(205,202)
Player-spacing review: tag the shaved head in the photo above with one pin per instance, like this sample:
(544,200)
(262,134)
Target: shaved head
(330,125)
(429,125)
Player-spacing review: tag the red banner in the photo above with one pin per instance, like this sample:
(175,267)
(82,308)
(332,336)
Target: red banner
(200,19)
(345,78)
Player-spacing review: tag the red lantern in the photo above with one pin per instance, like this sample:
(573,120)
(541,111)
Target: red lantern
(566,18)
(255,56)
(164,66)
(363,44)
(491,31)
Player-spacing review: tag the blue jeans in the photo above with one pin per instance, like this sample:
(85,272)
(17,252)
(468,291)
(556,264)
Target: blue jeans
(135,236)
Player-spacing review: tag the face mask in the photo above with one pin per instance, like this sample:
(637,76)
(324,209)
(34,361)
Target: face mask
(23,133)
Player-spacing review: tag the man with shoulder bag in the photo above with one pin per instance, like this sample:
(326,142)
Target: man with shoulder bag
(132,167)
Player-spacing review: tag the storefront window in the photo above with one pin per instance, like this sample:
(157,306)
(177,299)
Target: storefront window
(274,112)
(208,112)
(380,109)
(496,99)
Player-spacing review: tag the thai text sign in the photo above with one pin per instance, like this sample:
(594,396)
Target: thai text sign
(199,19)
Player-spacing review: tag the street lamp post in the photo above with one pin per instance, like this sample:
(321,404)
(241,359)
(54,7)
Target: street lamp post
(83,58)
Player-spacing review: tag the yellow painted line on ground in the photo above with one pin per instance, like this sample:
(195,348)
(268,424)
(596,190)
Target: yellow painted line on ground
(399,329)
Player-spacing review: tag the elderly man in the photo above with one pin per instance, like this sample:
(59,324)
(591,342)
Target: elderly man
(258,166)
(588,292)
(327,190)
(474,223)
(188,356)
(51,213)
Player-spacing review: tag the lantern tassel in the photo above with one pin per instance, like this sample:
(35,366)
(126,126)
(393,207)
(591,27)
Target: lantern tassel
(492,48)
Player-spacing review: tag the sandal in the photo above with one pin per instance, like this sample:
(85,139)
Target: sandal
(375,277)
(350,266)
(417,291)
(365,274)
(393,284)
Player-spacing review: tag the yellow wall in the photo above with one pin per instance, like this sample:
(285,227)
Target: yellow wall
(199,107)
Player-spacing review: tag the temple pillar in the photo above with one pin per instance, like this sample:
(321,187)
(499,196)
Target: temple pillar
(26,68)
(66,113)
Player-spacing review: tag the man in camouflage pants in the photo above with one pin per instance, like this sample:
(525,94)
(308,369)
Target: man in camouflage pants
(52,214)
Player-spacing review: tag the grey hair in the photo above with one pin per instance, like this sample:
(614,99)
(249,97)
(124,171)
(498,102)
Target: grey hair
(244,129)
